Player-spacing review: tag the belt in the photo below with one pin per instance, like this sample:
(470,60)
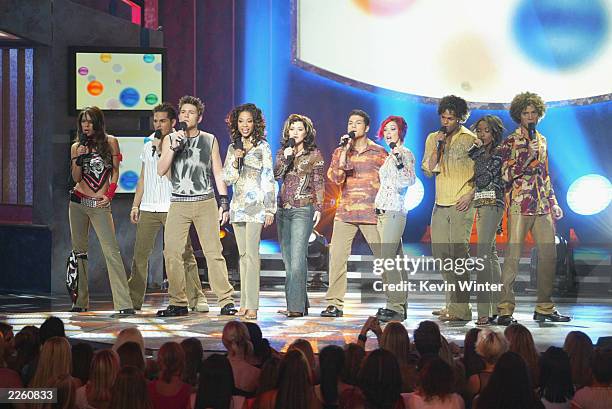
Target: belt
(80,198)
(195,198)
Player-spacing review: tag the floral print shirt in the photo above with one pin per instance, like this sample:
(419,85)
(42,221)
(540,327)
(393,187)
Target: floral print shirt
(303,180)
(487,177)
(253,188)
(394,182)
(531,192)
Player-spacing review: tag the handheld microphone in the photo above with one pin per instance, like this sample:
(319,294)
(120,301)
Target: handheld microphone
(440,144)
(531,132)
(290,144)
(344,142)
(239,145)
(399,164)
(157,135)
(83,139)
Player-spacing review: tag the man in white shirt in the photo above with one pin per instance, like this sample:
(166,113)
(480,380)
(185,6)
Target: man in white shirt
(149,211)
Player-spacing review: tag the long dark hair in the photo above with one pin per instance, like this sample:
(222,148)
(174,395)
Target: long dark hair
(472,362)
(380,380)
(100,140)
(353,357)
(311,132)
(509,386)
(216,383)
(436,379)
(331,362)
(294,388)
(556,376)
(259,128)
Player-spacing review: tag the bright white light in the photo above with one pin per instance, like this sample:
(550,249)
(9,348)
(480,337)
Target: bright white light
(414,196)
(589,194)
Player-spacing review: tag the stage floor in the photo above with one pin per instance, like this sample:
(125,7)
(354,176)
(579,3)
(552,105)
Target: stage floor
(592,316)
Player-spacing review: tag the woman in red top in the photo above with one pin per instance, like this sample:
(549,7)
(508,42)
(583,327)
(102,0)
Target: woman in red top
(169,391)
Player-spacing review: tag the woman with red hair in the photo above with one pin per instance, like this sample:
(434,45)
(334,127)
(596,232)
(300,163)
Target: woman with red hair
(396,174)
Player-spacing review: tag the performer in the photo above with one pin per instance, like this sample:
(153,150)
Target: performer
(95,169)
(149,212)
(396,174)
(248,169)
(489,204)
(191,160)
(532,206)
(446,157)
(354,167)
(299,165)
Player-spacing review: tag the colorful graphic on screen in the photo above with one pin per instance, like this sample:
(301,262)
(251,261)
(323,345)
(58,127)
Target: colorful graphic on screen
(129,169)
(483,50)
(118,81)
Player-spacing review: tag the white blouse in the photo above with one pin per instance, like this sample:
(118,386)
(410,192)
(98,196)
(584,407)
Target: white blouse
(394,182)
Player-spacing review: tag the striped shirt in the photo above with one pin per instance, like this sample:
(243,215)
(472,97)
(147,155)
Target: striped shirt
(456,169)
(157,189)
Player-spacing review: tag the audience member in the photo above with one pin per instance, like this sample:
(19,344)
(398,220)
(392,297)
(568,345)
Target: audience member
(556,388)
(169,391)
(521,342)
(236,340)
(130,354)
(130,390)
(579,347)
(82,354)
(435,390)
(599,394)
(52,327)
(216,385)
(55,360)
(192,347)
(96,394)
(490,345)
(353,357)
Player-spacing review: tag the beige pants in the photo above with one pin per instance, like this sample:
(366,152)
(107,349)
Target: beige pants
(543,231)
(204,215)
(487,221)
(101,219)
(248,236)
(450,236)
(390,229)
(147,228)
(339,252)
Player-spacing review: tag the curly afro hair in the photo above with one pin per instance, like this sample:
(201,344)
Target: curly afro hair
(455,105)
(259,130)
(522,101)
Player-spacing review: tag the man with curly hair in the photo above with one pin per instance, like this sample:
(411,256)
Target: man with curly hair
(532,207)
(446,158)
(190,159)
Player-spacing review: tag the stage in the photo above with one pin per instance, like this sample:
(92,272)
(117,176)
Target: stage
(590,315)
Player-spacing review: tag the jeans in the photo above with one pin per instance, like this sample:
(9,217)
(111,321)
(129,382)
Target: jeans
(294,228)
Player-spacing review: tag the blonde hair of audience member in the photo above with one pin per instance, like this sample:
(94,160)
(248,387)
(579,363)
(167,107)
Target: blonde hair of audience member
(55,359)
(104,370)
(171,361)
(236,340)
(130,390)
(66,393)
(396,340)
(579,347)
(490,345)
(521,341)
(131,334)
(304,347)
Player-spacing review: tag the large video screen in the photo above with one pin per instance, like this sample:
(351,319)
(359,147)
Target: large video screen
(117,79)
(486,51)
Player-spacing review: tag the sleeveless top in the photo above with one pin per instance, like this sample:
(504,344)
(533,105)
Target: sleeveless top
(95,171)
(191,170)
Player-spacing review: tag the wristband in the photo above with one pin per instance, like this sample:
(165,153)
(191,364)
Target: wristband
(110,193)
(224,203)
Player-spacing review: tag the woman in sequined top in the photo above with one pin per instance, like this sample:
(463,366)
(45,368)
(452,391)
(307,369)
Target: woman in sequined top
(248,169)
(396,175)
(489,204)
(300,168)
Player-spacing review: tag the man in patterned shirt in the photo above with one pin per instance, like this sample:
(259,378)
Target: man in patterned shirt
(532,206)
(354,167)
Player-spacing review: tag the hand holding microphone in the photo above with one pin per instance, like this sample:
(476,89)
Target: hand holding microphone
(289,151)
(346,140)
(397,155)
(239,153)
(177,142)
(157,135)
(533,141)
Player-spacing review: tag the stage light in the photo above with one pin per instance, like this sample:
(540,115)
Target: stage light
(415,194)
(589,195)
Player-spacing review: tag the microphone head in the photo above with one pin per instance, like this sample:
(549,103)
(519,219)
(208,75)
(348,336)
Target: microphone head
(158,134)
(290,143)
(238,144)
(392,145)
(531,127)
(351,134)
(443,130)
(182,126)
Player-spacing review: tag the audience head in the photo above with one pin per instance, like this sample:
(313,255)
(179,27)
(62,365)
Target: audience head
(427,338)
(216,383)
(304,346)
(6,330)
(509,386)
(130,390)
(192,347)
(395,339)
(331,362)
(130,354)
(294,383)
(521,341)
(261,346)
(66,392)
(52,327)
(491,345)
(55,359)
(268,377)
(472,362)
(104,370)
(353,357)
(380,379)
(579,347)
(436,379)
(556,376)
(131,334)
(171,361)
(236,339)
(601,365)
(82,353)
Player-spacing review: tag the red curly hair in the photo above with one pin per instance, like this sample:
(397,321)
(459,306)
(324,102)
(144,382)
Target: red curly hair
(401,125)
